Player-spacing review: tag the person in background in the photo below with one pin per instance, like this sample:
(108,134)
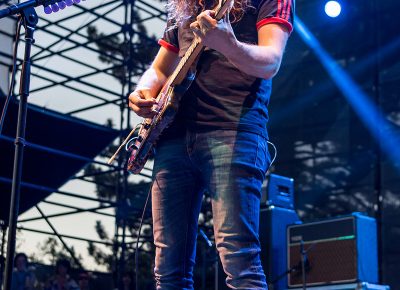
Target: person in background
(62,280)
(22,278)
(84,281)
(127,281)
(2,262)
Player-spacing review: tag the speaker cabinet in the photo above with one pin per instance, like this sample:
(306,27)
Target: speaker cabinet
(278,191)
(351,286)
(340,250)
(273,224)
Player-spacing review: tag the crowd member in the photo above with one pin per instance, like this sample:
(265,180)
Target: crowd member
(2,262)
(62,280)
(22,278)
(127,281)
(84,281)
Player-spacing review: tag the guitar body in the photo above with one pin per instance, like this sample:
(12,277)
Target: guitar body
(151,128)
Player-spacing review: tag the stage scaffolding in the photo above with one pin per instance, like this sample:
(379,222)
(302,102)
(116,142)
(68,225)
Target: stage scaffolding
(58,41)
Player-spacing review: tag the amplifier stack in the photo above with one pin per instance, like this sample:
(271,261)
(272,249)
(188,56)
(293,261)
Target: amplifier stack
(338,253)
(277,213)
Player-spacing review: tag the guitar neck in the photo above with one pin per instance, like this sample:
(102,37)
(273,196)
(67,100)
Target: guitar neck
(195,49)
(186,62)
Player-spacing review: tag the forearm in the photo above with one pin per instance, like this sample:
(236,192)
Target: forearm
(262,60)
(258,61)
(151,79)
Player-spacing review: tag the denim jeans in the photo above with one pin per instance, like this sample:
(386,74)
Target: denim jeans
(231,166)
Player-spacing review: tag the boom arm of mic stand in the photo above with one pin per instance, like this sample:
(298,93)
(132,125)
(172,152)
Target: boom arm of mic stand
(293,269)
(18,8)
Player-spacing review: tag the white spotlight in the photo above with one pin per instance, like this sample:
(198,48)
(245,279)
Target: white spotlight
(333,8)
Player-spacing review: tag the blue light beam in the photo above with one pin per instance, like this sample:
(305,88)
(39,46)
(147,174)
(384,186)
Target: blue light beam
(366,110)
(315,93)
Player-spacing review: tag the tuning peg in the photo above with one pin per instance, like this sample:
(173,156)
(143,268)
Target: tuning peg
(69,2)
(47,9)
(77,1)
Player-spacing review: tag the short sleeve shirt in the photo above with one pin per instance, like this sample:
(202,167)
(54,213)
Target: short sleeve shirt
(222,96)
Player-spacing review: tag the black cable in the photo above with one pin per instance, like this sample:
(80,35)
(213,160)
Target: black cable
(13,73)
(138,236)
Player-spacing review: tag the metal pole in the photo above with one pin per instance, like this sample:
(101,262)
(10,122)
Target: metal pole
(30,20)
(378,160)
(119,247)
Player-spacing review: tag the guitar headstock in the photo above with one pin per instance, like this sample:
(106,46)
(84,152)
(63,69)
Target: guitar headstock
(224,7)
(53,6)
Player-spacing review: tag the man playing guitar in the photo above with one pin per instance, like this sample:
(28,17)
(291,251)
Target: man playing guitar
(218,140)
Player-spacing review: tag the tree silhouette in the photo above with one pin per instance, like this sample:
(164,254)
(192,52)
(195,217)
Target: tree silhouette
(125,57)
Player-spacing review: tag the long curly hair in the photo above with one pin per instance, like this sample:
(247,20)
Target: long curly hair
(180,11)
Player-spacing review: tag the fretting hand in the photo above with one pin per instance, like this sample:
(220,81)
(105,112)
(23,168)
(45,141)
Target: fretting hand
(214,34)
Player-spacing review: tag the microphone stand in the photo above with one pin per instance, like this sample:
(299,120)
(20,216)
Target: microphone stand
(29,20)
(271,283)
(209,245)
(303,266)
(303,254)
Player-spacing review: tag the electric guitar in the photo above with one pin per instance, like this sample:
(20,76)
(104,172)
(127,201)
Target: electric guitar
(167,105)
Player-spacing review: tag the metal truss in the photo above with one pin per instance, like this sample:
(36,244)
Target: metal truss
(78,75)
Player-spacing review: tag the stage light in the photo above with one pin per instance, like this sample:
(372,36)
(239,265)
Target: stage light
(333,9)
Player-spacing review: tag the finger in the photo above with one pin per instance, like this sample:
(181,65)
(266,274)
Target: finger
(134,96)
(144,102)
(207,21)
(194,25)
(210,13)
(142,112)
(134,108)
(143,94)
(140,100)
(198,33)
(200,15)
(146,94)
(142,109)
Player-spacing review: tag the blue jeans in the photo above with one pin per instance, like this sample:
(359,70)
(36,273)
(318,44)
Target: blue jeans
(231,166)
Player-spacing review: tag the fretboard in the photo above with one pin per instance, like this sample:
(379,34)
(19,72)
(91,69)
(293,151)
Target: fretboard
(186,62)
(195,49)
